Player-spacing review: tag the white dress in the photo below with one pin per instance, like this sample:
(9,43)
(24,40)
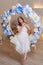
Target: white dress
(21,40)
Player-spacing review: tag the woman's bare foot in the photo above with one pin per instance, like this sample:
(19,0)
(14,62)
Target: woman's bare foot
(34,46)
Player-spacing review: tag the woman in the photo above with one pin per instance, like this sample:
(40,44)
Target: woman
(21,39)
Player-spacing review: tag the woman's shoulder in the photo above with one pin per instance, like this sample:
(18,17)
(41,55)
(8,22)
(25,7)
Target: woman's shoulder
(18,26)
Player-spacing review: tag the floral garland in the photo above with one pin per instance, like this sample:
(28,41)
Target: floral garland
(28,12)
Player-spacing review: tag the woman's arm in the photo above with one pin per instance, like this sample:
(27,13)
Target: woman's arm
(19,28)
(27,26)
(29,29)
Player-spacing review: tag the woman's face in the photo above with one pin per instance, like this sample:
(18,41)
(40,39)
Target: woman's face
(20,20)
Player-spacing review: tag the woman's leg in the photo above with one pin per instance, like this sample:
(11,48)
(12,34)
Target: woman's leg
(25,56)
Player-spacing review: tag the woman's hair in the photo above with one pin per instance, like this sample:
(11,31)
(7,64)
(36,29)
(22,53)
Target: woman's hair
(20,18)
